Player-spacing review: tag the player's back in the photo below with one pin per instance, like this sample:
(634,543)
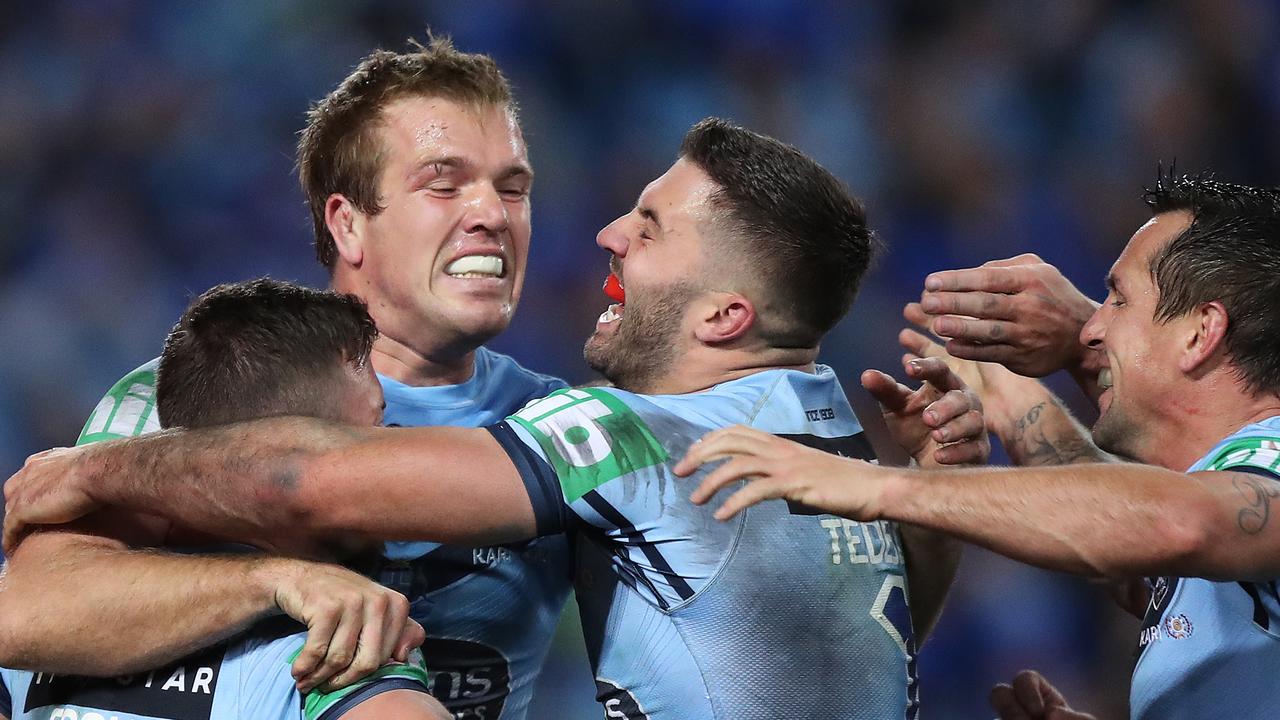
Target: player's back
(246,677)
(778,613)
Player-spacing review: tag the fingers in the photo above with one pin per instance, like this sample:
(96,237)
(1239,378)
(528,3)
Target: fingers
(990,332)
(320,631)
(1027,687)
(1023,259)
(918,344)
(719,444)
(983,305)
(14,530)
(915,314)
(736,469)
(411,636)
(968,452)
(750,494)
(892,395)
(936,372)
(369,655)
(991,279)
(1005,703)
(341,651)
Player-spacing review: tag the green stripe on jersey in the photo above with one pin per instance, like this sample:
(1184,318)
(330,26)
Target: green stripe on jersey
(128,409)
(1260,452)
(590,437)
(315,704)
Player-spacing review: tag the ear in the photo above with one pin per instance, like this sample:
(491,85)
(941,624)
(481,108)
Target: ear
(1209,324)
(723,317)
(347,226)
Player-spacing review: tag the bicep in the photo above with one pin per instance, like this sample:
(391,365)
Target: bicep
(1239,537)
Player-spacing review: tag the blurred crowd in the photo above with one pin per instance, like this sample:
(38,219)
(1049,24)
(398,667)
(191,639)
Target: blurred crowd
(147,153)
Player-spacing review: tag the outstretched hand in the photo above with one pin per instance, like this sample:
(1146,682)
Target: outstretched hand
(780,468)
(1020,312)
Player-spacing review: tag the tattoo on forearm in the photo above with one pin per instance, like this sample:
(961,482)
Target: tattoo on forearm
(1257,494)
(1034,442)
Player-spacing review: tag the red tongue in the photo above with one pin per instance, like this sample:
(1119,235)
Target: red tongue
(613,288)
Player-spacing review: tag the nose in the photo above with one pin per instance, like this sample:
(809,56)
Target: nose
(1095,330)
(485,211)
(613,239)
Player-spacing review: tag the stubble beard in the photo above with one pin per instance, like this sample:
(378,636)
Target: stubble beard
(643,348)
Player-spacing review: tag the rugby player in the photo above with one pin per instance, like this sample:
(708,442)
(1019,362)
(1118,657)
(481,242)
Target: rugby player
(1190,387)
(244,351)
(418,181)
(729,270)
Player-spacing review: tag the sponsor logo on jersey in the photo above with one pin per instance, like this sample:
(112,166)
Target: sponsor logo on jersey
(473,680)
(1178,627)
(618,703)
(590,437)
(181,691)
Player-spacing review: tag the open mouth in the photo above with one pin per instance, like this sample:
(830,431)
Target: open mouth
(477,266)
(613,288)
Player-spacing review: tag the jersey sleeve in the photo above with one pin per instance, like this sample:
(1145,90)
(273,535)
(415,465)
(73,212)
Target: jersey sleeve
(571,447)
(317,705)
(128,408)
(1258,454)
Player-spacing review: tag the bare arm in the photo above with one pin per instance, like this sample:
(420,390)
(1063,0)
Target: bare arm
(1110,520)
(288,484)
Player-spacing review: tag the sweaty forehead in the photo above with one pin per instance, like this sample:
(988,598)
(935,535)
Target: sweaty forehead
(681,194)
(429,126)
(1157,232)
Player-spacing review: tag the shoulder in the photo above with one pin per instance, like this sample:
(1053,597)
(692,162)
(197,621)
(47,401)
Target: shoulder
(127,408)
(505,370)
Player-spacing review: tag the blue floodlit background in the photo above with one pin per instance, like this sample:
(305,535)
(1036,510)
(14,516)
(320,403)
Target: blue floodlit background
(147,147)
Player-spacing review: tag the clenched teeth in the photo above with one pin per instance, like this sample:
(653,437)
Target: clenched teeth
(1104,379)
(476,266)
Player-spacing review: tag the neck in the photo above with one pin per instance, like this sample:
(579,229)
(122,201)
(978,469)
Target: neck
(705,367)
(1195,424)
(400,362)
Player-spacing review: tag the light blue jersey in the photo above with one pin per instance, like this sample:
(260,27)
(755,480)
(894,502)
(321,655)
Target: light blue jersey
(782,612)
(247,677)
(490,613)
(1212,649)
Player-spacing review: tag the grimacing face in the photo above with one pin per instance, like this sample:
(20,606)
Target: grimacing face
(1141,353)
(443,263)
(658,253)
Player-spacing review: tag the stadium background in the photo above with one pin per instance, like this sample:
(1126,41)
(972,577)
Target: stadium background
(146,150)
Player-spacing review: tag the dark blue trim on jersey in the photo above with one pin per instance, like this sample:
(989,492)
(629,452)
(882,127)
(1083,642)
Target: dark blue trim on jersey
(1254,470)
(550,512)
(6,701)
(615,517)
(373,689)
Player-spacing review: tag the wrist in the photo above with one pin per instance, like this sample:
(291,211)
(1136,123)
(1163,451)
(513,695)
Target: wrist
(267,577)
(1006,399)
(896,486)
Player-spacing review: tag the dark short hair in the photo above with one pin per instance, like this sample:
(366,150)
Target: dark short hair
(802,233)
(260,348)
(340,150)
(1229,253)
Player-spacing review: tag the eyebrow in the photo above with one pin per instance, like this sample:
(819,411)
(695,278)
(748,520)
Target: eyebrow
(1113,284)
(650,214)
(461,163)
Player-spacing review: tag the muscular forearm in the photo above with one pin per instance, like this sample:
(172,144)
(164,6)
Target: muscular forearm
(73,604)
(294,485)
(1110,520)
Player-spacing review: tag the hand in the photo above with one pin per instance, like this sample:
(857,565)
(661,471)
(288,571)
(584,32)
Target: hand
(48,490)
(941,422)
(779,468)
(1020,312)
(354,625)
(1031,697)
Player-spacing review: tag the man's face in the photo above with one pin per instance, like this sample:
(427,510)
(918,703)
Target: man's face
(443,262)
(1140,378)
(359,400)
(658,255)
